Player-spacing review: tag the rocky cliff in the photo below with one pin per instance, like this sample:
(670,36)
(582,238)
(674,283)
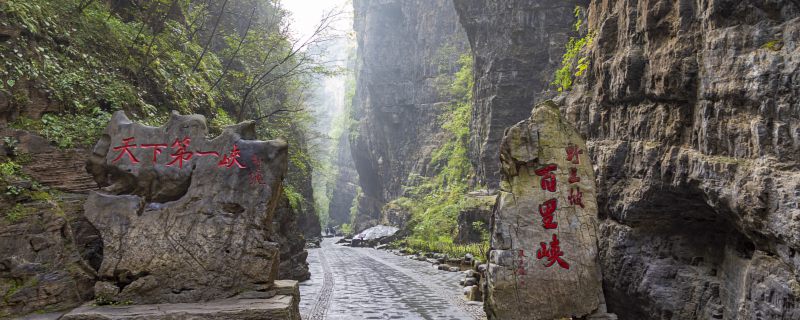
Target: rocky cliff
(345,184)
(516,45)
(690,111)
(50,252)
(405,51)
(693,115)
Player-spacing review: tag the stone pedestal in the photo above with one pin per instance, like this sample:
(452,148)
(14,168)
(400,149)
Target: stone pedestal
(279,303)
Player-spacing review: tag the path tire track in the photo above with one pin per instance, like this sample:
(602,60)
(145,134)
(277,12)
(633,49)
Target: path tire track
(324,297)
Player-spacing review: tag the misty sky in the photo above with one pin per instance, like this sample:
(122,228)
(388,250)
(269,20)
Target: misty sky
(306,14)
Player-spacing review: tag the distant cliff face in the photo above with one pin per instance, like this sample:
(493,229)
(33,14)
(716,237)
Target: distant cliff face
(404,49)
(691,112)
(517,45)
(344,188)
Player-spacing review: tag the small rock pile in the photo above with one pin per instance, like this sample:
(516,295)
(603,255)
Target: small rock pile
(472,268)
(472,281)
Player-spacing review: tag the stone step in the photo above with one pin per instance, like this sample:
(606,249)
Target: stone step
(282,304)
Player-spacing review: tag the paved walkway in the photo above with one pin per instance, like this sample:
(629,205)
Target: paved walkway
(364,283)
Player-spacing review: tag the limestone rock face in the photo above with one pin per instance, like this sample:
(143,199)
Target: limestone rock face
(186,232)
(42,266)
(49,252)
(344,189)
(517,45)
(63,170)
(293,254)
(407,52)
(543,256)
(691,112)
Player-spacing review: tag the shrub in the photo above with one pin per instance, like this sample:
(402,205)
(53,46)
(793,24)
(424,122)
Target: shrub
(573,63)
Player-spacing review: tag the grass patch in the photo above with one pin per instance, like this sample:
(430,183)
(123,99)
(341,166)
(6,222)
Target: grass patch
(773,45)
(477,250)
(17,213)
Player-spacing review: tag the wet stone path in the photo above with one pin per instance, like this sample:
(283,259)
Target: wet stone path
(364,283)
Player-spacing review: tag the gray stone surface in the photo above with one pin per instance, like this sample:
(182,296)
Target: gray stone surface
(189,234)
(344,188)
(690,112)
(42,266)
(692,116)
(278,307)
(286,233)
(376,232)
(364,283)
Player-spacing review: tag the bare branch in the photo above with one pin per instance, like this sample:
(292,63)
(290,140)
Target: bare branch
(211,37)
(276,112)
(235,52)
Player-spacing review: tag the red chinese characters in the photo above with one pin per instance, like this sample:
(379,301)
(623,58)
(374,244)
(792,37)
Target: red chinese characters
(547,211)
(553,254)
(548,177)
(126,151)
(573,175)
(231,159)
(576,197)
(255,176)
(520,271)
(180,155)
(573,154)
(156,149)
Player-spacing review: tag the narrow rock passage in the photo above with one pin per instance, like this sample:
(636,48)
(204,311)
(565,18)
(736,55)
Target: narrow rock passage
(364,283)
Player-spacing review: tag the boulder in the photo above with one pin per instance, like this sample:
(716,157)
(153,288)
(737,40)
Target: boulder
(373,236)
(543,256)
(184,218)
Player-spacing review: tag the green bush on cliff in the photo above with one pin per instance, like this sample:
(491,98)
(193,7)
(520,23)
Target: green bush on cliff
(434,202)
(18,212)
(574,63)
(295,198)
(9,169)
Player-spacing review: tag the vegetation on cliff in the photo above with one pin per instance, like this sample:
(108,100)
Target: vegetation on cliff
(435,202)
(68,64)
(575,61)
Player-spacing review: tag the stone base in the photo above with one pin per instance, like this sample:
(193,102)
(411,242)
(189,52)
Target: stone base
(602,316)
(279,303)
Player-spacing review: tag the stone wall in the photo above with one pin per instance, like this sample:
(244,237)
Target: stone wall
(690,111)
